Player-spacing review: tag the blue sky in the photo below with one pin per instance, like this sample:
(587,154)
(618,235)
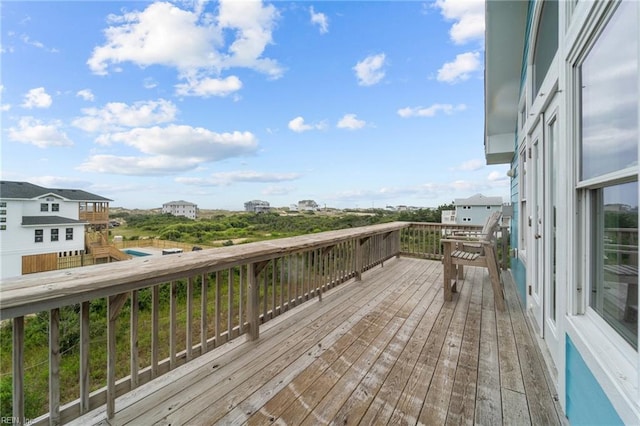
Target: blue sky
(351,104)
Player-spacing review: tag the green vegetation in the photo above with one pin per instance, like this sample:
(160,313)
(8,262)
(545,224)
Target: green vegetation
(249,227)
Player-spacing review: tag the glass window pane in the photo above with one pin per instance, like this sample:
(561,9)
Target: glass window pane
(614,290)
(609,79)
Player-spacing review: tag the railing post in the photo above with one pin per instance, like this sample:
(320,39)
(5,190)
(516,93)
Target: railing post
(114,304)
(54,366)
(252,301)
(18,369)
(358,258)
(84,357)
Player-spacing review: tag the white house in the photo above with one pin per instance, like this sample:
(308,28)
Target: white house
(562,109)
(37,223)
(181,208)
(307,205)
(257,206)
(476,209)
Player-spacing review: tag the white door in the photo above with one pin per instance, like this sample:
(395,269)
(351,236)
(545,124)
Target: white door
(541,285)
(548,229)
(536,268)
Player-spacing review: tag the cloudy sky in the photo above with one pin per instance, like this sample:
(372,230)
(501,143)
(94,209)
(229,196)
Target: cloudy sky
(352,104)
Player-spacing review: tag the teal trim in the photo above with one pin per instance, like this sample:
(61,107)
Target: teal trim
(587,403)
(525,51)
(519,273)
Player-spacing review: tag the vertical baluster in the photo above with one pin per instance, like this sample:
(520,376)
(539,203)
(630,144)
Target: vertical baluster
(189,326)
(84,357)
(114,304)
(155,312)
(18,369)
(240,303)
(282,284)
(172,326)
(252,302)
(230,284)
(265,294)
(273,286)
(133,339)
(204,290)
(54,366)
(289,281)
(217,313)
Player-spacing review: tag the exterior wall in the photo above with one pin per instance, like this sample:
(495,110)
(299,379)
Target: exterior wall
(187,210)
(17,240)
(587,404)
(595,371)
(474,215)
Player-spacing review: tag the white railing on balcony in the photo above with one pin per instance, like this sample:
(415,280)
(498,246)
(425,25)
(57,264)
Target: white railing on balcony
(191,303)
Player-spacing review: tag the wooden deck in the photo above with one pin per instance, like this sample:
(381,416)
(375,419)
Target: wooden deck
(384,350)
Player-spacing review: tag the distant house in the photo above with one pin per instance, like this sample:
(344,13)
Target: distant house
(448,217)
(181,208)
(38,225)
(476,209)
(307,205)
(257,206)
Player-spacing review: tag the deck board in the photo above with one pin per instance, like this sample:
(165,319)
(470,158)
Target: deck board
(386,349)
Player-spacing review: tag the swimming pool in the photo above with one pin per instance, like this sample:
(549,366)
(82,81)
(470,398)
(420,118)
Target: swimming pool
(135,253)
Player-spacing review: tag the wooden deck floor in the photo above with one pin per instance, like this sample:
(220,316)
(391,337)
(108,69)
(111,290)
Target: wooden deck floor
(385,350)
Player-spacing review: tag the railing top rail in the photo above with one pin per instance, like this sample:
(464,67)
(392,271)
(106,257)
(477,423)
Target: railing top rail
(33,293)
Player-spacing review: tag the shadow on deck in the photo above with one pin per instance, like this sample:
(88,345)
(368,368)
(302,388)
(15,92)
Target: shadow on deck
(386,349)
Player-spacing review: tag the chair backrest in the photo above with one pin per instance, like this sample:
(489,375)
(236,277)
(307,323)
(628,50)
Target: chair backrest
(491,227)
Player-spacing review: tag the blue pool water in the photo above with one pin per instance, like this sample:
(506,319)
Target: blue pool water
(135,253)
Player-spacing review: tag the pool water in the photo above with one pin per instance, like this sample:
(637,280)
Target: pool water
(135,253)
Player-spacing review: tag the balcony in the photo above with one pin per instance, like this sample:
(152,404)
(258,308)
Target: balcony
(345,326)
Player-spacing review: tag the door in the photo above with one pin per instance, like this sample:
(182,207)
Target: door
(541,286)
(535,287)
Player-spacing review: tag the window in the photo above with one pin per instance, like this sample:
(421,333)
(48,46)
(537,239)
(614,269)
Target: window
(522,184)
(54,234)
(3,227)
(39,235)
(609,171)
(3,219)
(55,207)
(3,204)
(3,212)
(44,207)
(546,43)
(69,234)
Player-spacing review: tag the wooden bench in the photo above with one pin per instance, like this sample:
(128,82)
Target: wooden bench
(473,250)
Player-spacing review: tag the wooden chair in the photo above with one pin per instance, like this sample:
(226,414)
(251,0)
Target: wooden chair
(473,250)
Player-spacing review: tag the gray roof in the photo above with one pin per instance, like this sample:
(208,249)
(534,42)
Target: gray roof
(178,203)
(478,200)
(28,191)
(50,220)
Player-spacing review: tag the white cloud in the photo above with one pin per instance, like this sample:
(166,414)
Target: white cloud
(86,94)
(118,115)
(37,98)
(27,40)
(298,125)
(278,190)
(470,166)
(228,178)
(34,132)
(209,87)
(59,182)
(185,142)
(349,121)
(138,166)
(149,83)
(498,177)
(319,19)
(193,42)
(370,70)
(468,16)
(460,69)
(430,111)
(5,107)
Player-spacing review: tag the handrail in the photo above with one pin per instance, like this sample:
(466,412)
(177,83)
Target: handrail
(225,292)
(240,287)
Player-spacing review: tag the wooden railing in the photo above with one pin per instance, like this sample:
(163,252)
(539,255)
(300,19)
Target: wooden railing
(160,312)
(216,295)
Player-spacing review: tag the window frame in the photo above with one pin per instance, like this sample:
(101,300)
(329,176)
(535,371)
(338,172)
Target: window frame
(44,207)
(69,234)
(39,236)
(55,234)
